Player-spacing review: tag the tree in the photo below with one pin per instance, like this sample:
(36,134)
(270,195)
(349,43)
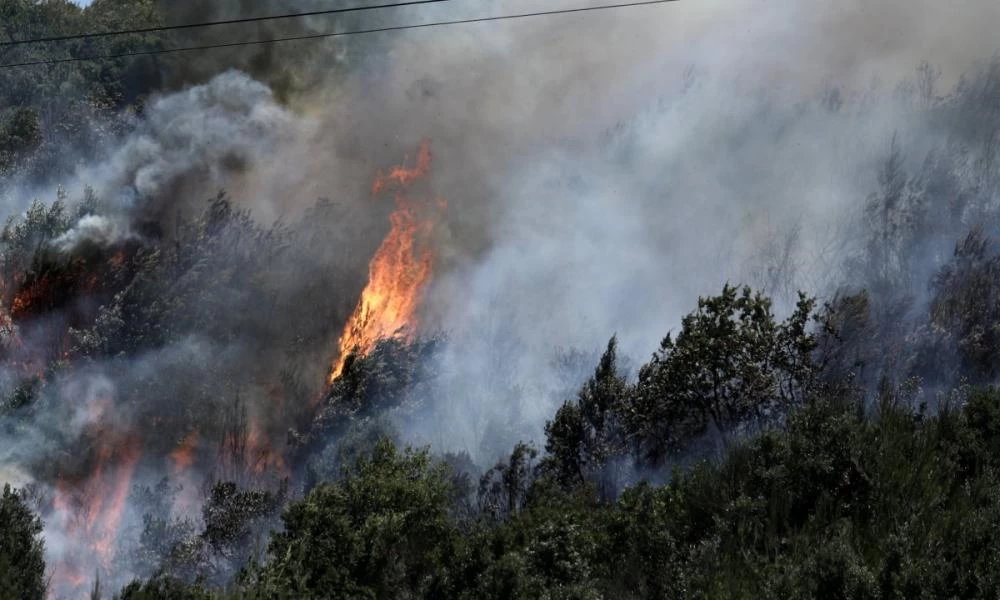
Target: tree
(22,551)
(373,384)
(732,365)
(233,516)
(19,134)
(965,310)
(587,436)
(164,545)
(73,108)
(646,532)
(554,548)
(503,490)
(382,532)
(891,215)
(163,588)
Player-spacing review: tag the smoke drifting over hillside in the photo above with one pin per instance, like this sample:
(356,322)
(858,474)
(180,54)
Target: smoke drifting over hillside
(601,170)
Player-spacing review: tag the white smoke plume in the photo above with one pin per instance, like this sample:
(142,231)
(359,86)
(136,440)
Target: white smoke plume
(93,230)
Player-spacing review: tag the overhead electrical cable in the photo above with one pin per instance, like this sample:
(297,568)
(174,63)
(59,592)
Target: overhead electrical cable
(314,13)
(336,34)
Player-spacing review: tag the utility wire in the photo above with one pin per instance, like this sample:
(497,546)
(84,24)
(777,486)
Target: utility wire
(333,11)
(336,34)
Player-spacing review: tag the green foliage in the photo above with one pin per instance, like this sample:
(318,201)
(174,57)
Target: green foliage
(340,457)
(217,281)
(732,365)
(966,306)
(383,532)
(23,396)
(215,262)
(846,342)
(818,493)
(503,490)
(20,133)
(837,505)
(22,551)
(835,500)
(24,240)
(163,588)
(170,547)
(176,551)
(588,436)
(232,516)
(552,549)
(69,108)
(647,535)
(893,214)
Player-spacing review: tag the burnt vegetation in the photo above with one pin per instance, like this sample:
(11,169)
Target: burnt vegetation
(849,448)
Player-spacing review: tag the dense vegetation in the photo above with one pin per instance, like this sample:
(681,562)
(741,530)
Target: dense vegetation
(846,449)
(841,502)
(22,560)
(69,108)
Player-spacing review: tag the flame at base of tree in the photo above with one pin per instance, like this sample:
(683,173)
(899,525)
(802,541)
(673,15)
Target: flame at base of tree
(401,267)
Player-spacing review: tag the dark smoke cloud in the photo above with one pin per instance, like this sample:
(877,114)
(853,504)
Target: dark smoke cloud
(207,133)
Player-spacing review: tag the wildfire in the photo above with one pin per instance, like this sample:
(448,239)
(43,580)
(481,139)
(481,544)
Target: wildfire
(28,298)
(182,458)
(400,269)
(92,509)
(183,455)
(262,456)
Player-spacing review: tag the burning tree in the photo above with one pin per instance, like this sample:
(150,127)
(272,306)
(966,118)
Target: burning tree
(401,268)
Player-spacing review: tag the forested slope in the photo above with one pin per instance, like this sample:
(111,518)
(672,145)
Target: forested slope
(171,428)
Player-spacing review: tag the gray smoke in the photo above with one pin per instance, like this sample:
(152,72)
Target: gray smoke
(605,170)
(602,170)
(93,230)
(208,133)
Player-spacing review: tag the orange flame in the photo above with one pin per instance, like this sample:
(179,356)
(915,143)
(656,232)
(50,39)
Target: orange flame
(399,271)
(182,458)
(183,455)
(128,452)
(262,456)
(26,299)
(93,509)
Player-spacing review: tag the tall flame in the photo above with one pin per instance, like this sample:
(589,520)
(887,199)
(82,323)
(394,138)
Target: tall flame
(400,269)
(92,509)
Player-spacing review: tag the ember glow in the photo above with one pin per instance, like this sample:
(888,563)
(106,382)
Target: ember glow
(183,456)
(400,269)
(182,459)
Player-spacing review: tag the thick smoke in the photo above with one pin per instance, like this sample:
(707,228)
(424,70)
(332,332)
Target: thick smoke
(208,134)
(92,433)
(602,170)
(92,230)
(605,171)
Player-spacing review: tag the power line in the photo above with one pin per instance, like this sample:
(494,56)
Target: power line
(334,11)
(336,34)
